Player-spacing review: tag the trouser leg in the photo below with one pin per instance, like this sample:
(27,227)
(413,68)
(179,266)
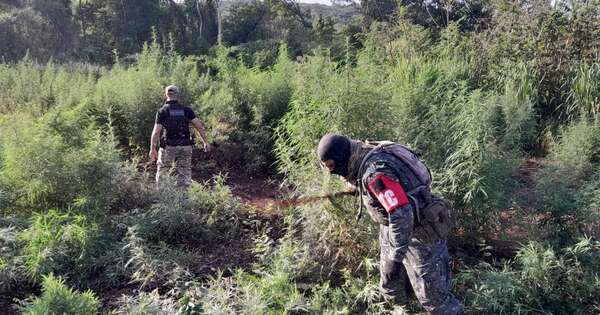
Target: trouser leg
(428,268)
(164,163)
(184,166)
(393,279)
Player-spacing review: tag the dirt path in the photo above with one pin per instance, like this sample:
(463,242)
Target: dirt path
(255,191)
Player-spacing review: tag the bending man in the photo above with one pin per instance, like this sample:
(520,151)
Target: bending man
(395,188)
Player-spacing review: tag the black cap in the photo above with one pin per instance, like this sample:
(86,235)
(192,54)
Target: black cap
(337,148)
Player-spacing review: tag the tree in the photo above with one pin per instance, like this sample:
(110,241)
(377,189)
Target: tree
(378,10)
(26,31)
(245,22)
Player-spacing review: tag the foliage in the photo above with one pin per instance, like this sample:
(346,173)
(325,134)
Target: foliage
(29,33)
(50,163)
(31,87)
(280,282)
(491,290)
(57,298)
(244,106)
(200,214)
(146,303)
(58,242)
(585,93)
(555,38)
(588,197)
(541,280)
(272,288)
(162,244)
(156,265)
(11,267)
(570,171)
(499,98)
(430,103)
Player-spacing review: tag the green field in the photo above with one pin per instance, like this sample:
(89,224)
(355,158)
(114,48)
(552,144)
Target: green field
(500,98)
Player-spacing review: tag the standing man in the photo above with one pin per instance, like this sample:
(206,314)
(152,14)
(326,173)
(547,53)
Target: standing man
(172,126)
(394,185)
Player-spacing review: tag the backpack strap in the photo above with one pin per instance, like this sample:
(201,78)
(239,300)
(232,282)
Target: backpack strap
(411,193)
(360,171)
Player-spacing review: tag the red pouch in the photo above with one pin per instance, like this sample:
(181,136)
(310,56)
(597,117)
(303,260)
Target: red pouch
(390,193)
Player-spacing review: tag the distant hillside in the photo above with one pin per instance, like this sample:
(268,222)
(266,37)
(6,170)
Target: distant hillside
(341,14)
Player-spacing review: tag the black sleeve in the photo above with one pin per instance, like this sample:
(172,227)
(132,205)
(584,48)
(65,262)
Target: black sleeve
(161,117)
(189,114)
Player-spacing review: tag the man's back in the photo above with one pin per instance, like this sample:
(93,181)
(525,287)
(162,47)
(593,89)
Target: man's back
(175,118)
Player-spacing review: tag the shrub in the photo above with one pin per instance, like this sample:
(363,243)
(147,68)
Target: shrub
(244,105)
(565,187)
(157,245)
(588,198)
(578,150)
(30,87)
(584,96)
(12,273)
(28,160)
(337,239)
(567,282)
(59,242)
(57,298)
(53,161)
(356,100)
(541,280)
(440,113)
(146,304)
(283,281)
(200,214)
(492,291)
(155,266)
(272,288)
(221,210)
(516,101)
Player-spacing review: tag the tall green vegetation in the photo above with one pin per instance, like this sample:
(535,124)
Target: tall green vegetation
(584,98)
(502,104)
(540,280)
(57,298)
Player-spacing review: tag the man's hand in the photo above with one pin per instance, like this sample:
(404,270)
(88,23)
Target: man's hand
(207,147)
(153,155)
(154,142)
(351,188)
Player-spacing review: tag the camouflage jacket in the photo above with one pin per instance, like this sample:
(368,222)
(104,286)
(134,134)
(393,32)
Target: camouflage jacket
(401,222)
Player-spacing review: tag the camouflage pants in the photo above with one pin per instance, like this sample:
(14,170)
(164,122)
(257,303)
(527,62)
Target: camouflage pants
(428,270)
(180,159)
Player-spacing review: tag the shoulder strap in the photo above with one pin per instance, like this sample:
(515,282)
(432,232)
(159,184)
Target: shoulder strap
(413,162)
(359,179)
(411,159)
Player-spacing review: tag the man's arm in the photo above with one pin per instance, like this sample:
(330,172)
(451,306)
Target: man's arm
(200,127)
(385,187)
(154,141)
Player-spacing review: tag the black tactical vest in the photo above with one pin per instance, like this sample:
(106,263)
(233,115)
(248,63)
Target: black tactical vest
(177,131)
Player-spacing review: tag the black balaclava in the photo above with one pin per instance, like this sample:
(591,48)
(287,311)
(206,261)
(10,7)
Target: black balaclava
(337,148)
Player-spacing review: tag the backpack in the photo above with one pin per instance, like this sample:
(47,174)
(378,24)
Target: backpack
(436,216)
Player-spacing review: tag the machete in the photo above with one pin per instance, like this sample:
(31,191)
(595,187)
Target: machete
(284,203)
